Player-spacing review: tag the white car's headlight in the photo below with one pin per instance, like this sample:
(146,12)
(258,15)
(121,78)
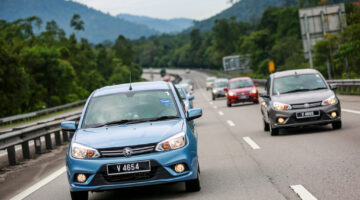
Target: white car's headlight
(329,101)
(214,91)
(80,151)
(281,106)
(175,142)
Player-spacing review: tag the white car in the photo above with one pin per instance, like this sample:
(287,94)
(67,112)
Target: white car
(210,82)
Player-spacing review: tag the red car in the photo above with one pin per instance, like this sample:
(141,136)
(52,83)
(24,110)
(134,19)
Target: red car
(241,90)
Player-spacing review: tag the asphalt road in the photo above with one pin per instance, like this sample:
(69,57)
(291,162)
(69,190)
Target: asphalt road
(239,160)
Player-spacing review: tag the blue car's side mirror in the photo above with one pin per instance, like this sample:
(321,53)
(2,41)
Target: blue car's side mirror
(193,113)
(68,126)
(191,97)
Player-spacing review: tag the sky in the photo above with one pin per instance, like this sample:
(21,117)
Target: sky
(164,9)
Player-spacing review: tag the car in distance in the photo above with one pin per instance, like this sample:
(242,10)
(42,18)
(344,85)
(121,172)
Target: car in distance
(188,84)
(297,98)
(167,78)
(210,82)
(187,99)
(132,135)
(162,72)
(187,71)
(241,89)
(218,88)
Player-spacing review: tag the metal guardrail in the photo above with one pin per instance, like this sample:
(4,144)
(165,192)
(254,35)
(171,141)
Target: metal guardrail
(22,137)
(16,118)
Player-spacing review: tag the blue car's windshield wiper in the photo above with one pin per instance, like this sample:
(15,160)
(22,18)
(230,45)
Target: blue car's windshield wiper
(163,118)
(133,121)
(118,122)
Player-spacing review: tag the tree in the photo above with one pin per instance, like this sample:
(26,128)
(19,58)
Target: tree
(76,23)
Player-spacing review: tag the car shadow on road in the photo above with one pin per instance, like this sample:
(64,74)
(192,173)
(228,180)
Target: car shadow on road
(165,191)
(314,129)
(244,104)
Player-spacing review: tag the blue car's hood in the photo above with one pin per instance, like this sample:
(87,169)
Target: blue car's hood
(128,135)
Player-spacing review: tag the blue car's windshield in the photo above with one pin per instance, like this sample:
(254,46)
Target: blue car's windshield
(131,106)
(298,83)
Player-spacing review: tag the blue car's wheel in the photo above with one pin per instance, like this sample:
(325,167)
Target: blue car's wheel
(193,185)
(83,195)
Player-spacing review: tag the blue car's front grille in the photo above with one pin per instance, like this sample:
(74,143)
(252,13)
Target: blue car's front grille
(157,172)
(120,151)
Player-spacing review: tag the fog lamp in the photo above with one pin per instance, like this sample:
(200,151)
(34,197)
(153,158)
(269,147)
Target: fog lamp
(81,178)
(281,120)
(179,168)
(333,114)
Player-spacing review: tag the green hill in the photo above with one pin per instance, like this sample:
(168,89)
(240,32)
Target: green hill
(98,26)
(244,10)
(160,25)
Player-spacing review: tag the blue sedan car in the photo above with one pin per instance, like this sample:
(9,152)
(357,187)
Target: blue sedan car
(133,135)
(187,99)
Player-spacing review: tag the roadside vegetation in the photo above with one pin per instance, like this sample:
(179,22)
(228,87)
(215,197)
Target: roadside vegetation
(276,36)
(46,69)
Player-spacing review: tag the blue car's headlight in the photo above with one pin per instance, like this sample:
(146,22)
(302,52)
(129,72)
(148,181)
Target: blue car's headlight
(80,151)
(175,142)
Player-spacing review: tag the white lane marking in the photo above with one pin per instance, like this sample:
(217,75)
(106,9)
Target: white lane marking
(39,184)
(351,111)
(221,113)
(230,123)
(215,107)
(302,192)
(251,143)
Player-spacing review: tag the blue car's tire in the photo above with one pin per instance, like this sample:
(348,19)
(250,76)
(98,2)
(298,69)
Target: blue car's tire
(83,195)
(193,185)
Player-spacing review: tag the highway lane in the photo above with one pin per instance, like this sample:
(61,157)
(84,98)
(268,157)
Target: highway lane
(323,161)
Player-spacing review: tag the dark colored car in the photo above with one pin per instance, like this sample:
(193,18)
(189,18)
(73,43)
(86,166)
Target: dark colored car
(218,88)
(298,98)
(241,90)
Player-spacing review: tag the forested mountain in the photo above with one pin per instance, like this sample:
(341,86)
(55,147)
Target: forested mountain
(244,10)
(160,25)
(98,26)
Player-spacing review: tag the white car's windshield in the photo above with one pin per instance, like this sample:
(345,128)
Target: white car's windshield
(298,83)
(130,106)
(220,84)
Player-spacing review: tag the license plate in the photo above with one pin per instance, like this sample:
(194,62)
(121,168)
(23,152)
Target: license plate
(308,114)
(127,168)
(243,97)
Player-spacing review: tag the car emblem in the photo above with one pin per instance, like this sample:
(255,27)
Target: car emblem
(306,105)
(128,152)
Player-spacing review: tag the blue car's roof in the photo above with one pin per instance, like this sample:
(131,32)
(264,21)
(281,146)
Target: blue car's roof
(139,86)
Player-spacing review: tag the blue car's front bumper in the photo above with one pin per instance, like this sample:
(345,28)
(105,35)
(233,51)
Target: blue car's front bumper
(161,163)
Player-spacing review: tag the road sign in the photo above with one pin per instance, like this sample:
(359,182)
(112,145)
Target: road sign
(239,64)
(271,66)
(318,21)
